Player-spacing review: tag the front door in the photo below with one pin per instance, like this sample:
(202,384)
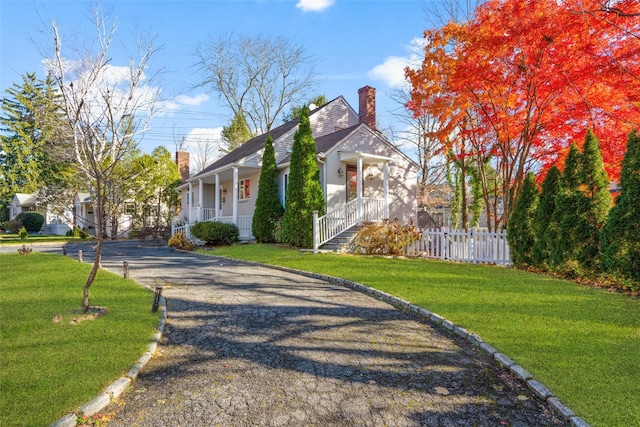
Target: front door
(352,183)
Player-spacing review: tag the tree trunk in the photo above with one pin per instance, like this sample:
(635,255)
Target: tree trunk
(99,236)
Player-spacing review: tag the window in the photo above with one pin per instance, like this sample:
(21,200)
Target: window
(244,189)
(129,208)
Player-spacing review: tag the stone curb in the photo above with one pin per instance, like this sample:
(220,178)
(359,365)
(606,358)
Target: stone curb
(116,388)
(522,374)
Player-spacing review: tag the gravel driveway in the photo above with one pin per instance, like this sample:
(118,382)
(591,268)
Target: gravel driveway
(252,346)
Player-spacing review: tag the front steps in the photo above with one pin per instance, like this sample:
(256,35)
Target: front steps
(338,243)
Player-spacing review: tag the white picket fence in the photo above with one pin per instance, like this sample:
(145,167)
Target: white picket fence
(474,246)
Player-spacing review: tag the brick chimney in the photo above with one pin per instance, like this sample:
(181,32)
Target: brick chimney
(367,112)
(182,160)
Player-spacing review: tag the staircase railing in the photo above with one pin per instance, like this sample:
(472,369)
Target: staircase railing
(343,217)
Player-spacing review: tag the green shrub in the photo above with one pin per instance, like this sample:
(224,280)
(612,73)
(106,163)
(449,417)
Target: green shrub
(216,233)
(12,226)
(23,234)
(32,221)
(69,233)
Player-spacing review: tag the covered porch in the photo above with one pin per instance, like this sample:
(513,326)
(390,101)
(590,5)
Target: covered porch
(357,208)
(226,195)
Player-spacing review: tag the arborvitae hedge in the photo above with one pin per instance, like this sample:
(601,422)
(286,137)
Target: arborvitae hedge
(621,234)
(304,193)
(542,218)
(520,233)
(562,235)
(594,205)
(268,208)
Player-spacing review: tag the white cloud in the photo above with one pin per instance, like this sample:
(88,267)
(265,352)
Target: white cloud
(391,71)
(203,134)
(204,146)
(314,5)
(193,101)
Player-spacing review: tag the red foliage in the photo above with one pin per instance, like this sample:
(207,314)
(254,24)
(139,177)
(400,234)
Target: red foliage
(522,80)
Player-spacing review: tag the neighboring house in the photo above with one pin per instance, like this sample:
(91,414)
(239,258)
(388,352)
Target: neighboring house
(53,224)
(86,217)
(363,176)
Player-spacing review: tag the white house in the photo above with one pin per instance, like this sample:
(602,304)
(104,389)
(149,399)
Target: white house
(87,217)
(53,224)
(363,176)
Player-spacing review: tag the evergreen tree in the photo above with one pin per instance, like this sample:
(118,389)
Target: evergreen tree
(294,113)
(561,233)
(30,140)
(304,193)
(621,234)
(520,232)
(543,217)
(236,134)
(268,207)
(594,205)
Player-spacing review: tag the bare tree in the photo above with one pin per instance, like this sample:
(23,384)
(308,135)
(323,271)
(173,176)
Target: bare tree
(105,109)
(415,138)
(205,151)
(256,75)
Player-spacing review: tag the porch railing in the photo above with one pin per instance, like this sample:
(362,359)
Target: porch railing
(340,219)
(244,225)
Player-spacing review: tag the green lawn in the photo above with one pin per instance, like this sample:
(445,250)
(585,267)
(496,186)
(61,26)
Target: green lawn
(51,369)
(9,239)
(583,343)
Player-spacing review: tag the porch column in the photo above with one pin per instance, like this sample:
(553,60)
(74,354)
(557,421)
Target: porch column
(217,197)
(200,204)
(190,200)
(359,187)
(235,195)
(385,184)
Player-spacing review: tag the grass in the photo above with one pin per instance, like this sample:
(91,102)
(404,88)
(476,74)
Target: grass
(50,369)
(8,239)
(582,342)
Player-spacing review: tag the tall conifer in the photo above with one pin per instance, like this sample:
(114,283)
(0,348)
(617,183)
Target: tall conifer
(562,236)
(621,234)
(268,207)
(594,205)
(520,234)
(304,193)
(543,217)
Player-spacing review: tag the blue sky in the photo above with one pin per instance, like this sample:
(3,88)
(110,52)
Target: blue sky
(355,43)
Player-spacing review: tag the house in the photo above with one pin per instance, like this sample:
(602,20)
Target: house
(363,176)
(53,223)
(86,217)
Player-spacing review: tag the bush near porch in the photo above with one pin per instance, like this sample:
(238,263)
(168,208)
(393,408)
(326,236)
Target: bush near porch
(582,342)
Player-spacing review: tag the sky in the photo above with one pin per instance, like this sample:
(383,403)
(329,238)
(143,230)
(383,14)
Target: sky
(354,42)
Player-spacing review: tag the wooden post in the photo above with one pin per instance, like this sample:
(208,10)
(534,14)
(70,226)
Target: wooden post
(156,299)
(125,269)
(316,238)
(64,250)
(80,255)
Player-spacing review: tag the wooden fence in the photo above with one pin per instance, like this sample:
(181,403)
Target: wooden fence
(475,246)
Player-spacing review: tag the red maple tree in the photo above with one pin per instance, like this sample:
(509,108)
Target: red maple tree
(520,81)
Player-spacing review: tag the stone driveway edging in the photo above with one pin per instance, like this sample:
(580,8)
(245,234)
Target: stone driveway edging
(509,365)
(116,388)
